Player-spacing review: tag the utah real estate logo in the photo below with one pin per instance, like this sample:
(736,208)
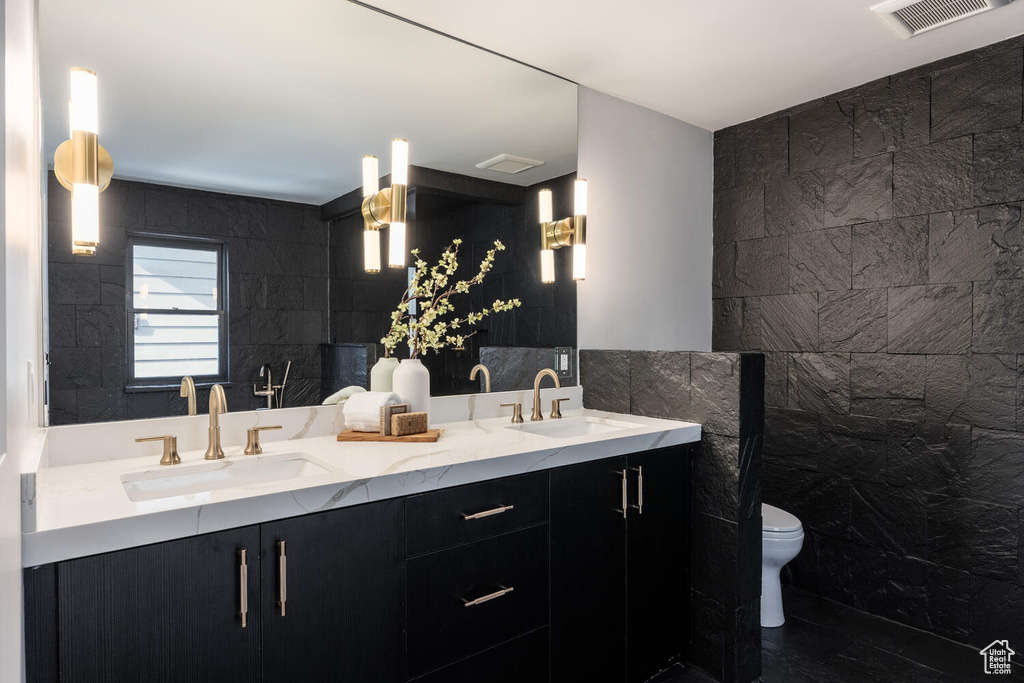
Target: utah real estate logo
(997,657)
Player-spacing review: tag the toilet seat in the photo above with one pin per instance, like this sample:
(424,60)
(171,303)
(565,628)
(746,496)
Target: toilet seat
(781,535)
(778,523)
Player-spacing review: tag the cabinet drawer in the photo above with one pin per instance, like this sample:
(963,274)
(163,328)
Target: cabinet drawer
(444,624)
(522,660)
(442,519)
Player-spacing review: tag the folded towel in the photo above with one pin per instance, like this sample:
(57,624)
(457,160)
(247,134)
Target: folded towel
(343,395)
(362,410)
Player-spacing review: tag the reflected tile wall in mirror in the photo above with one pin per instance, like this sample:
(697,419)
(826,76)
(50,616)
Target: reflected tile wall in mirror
(277,292)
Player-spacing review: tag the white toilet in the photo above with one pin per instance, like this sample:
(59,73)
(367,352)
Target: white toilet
(782,536)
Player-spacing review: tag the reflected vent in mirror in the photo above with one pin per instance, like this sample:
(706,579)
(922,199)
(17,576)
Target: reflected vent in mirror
(909,18)
(506,163)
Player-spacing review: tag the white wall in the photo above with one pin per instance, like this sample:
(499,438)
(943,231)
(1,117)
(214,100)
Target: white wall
(648,230)
(22,308)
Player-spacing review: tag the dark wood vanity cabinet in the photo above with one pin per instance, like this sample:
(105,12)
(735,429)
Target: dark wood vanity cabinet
(333,595)
(164,612)
(620,570)
(588,572)
(478,579)
(658,562)
(534,577)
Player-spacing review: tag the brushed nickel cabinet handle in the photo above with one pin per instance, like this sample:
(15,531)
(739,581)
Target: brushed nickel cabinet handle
(282,567)
(625,501)
(490,596)
(487,513)
(243,581)
(639,489)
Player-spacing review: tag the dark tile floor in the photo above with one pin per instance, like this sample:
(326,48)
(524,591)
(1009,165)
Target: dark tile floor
(823,641)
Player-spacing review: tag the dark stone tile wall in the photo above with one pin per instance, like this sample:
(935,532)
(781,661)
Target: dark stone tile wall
(278,277)
(345,365)
(724,392)
(361,304)
(869,244)
(514,368)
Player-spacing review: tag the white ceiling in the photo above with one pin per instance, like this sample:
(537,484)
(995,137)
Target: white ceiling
(282,99)
(713,63)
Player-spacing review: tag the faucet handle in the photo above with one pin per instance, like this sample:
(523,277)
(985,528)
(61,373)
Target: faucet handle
(252,441)
(517,411)
(556,408)
(170,456)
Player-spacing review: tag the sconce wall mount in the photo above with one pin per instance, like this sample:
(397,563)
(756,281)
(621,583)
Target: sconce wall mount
(385,208)
(381,206)
(93,167)
(82,165)
(567,232)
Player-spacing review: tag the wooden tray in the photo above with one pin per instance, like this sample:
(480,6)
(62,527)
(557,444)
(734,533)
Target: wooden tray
(424,437)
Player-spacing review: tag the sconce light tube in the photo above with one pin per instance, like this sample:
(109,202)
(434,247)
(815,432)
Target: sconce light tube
(85,205)
(581,197)
(370,176)
(371,251)
(84,107)
(579,235)
(85,215)
(399,162)
(547,265)
(579,262)
(546,212)
(396,246)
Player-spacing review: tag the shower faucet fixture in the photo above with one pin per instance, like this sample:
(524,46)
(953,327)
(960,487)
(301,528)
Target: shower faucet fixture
(274,393)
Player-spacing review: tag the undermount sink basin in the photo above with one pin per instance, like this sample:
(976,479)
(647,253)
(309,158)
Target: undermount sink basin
(180,480)
(570,427)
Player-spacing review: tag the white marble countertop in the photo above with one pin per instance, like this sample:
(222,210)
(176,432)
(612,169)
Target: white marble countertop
(83,509)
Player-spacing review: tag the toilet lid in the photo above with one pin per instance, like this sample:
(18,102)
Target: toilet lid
(774,519)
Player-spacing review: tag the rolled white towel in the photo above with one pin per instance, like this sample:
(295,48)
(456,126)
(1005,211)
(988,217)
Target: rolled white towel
(362,410)
(343,395)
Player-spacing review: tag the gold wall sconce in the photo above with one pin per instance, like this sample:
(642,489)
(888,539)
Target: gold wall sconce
(385,207)
(82,165)
(564,233)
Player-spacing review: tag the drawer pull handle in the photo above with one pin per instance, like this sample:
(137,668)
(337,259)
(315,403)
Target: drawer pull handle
(488,513)
(282,567)
(490,596)
(243,581)
(639,489)
(625,502)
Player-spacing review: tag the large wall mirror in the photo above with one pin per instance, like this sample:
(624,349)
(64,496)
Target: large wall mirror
(231,237)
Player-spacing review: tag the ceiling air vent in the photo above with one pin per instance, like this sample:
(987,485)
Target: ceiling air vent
(910,17)
(506,163)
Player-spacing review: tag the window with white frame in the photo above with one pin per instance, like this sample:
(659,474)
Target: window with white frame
(177,312)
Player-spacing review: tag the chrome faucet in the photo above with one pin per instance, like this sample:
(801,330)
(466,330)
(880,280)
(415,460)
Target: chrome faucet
(537,415)
(268,391)
(188,390)
(480,367)
(218,405)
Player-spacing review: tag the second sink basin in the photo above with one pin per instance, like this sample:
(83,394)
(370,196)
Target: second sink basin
(570,427)
(179,480)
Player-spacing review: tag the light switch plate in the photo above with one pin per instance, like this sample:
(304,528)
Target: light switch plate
(563,361)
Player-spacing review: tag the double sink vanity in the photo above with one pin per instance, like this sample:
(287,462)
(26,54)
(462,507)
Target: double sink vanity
(555,549)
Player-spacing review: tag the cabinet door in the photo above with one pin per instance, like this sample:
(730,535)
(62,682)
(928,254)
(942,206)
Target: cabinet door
(343,584)
(166,612)
(588,572)
(658,542)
